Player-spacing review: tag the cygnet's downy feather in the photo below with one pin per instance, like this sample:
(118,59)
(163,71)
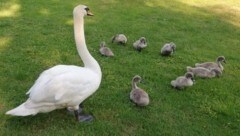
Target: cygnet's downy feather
(168,49)
(105,51)
(119,39)
(183,81)
(214,65)
(140,44)
(138,95)
(204,72)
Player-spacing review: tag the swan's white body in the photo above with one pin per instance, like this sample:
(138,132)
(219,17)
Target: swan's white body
(64,86)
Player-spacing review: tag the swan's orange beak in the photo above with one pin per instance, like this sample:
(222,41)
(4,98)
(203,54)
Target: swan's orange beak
(89,13)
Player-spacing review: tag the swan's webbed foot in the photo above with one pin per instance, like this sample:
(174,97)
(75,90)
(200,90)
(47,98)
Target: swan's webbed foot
(82,117)
(85,118)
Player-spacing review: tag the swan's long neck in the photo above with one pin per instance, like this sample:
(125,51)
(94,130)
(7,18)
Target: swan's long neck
(88,60)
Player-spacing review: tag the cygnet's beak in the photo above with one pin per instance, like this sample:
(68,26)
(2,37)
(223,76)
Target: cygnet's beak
(225,61)
(89,13)
(142,81)
(193,80)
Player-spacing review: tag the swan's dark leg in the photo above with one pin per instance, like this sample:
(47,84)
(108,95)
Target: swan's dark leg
(76,114)
(82,117)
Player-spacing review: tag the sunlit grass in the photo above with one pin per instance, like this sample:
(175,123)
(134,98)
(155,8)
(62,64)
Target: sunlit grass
(9,10)
(69,22)
(228,10)
(44,11)
(4,43)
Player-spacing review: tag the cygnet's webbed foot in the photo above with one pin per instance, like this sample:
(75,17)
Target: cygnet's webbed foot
(178,88)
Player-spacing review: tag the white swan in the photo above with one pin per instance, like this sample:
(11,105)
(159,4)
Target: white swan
(65,85)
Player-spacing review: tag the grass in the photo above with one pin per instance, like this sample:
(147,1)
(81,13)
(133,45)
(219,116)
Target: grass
(35,36)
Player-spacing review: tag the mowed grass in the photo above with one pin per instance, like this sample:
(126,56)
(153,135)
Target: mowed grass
(35,36)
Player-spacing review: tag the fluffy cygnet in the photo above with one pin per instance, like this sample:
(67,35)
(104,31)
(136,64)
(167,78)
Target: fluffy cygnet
(183,81)
(140,44)
(204,72)
(216,65)
(105,51)
(138,95)
(120,39)
(168,49)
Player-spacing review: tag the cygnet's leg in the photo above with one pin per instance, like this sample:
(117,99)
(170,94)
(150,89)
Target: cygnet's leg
(139,49)
(82,117)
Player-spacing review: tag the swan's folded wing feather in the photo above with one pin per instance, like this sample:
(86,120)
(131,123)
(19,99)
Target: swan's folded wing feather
(63,87)
(48,74)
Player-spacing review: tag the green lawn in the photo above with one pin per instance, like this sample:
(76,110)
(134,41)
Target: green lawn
(36,35)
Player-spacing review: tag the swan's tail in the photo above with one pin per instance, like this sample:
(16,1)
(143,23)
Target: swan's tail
(23,110)
(189,69)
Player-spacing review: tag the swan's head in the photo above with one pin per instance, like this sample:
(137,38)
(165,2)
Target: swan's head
(136,79)
(83,10)
(221,59)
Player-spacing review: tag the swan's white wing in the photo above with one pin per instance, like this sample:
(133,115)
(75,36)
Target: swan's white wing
(63,88)
(50,73)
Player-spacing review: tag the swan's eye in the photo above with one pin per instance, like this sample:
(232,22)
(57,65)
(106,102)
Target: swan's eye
(87,9)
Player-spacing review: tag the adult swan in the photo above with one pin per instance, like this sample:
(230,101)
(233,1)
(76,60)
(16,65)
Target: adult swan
(65,86)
